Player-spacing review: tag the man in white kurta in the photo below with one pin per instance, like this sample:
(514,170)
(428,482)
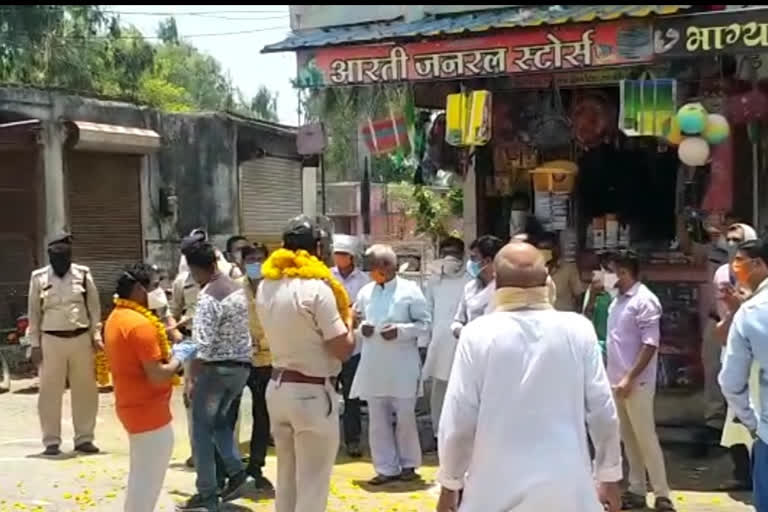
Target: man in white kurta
(392,315)
(444,291)
(525,381)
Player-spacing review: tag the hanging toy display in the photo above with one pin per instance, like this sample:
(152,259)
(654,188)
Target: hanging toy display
(693,130)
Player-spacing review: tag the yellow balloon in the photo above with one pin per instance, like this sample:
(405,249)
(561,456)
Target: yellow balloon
(672,131)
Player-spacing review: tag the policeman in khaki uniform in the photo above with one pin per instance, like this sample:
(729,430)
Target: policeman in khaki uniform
(308,341)
(64,329)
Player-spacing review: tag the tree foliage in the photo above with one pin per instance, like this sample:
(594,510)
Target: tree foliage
(264,104)
(432,210)
(82,49)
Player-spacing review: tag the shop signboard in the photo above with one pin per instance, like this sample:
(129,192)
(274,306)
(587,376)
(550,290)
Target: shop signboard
(577,47)
(735,31)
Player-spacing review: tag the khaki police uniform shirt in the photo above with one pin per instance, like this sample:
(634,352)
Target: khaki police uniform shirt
(297,316)
(184,297)
(64,303)
(185,289)
(261,355)
(568,284)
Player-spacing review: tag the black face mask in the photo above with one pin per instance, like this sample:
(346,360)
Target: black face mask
(61,261)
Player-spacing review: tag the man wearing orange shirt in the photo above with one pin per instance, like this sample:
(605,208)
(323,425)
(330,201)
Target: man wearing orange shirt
(142,381)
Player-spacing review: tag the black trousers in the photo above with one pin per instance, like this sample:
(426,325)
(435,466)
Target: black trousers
(257,383)
(351,416)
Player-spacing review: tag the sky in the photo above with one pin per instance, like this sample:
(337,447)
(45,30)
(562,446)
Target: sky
(239,54)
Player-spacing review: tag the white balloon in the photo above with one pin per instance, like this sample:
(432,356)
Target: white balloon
(694,151)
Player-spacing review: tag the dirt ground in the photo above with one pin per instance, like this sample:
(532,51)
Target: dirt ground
(75,483)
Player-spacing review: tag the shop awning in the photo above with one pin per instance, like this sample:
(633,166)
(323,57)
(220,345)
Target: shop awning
(112,138)
(515,17)
(19,134)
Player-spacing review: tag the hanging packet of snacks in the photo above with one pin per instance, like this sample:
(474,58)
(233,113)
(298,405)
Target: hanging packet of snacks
(646,105)
(468,118)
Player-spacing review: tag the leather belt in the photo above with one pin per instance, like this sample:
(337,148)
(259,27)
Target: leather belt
(68,334)
(233,364)
(284,375)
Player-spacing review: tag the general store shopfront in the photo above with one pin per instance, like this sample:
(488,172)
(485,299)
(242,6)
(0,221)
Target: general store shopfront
(555,95)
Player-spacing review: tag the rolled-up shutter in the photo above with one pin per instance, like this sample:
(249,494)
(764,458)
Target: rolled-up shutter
(105,214)
(18,231)
(270,194)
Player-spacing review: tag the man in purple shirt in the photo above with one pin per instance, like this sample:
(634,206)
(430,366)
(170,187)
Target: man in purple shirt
(633,342)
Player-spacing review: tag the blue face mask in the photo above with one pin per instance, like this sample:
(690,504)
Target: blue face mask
(253,270)
(474,268)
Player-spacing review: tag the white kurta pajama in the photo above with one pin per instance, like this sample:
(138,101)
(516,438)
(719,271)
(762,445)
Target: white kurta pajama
(444,292)
(522,387)
(474,303)
(389,374)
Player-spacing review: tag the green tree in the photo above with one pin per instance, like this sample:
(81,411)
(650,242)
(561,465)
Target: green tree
(200,75)
(168,32)
(432,210)
(263,105)
(82,49)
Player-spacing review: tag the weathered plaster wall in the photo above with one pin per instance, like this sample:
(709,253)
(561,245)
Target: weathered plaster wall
(197,161)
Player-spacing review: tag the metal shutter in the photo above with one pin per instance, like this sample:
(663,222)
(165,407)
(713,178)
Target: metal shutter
(270,194)
(104,195)
(18,231)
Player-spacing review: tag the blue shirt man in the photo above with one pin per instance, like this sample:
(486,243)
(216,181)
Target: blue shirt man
(748,342)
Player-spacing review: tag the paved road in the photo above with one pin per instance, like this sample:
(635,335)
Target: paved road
(74,483)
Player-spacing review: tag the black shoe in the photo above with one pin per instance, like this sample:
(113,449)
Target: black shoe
(663,505)
(52,450)
(632,501)
(409,475)
(262,483)
(383,479)
(87,448)
(199,504)
(354,451)
(234,487)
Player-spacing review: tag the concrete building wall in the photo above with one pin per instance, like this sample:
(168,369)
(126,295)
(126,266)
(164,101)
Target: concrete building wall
(197,164)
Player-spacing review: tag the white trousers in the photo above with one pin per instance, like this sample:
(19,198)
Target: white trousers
(393,448)
(150,454)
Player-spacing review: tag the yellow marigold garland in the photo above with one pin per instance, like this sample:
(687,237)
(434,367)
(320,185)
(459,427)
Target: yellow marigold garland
(102,368)
(102,371)
(301,265)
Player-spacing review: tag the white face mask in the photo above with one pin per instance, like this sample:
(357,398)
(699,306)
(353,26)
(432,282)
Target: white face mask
(156,299)
(452,265)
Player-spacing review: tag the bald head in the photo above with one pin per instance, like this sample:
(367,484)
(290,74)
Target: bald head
(519,265)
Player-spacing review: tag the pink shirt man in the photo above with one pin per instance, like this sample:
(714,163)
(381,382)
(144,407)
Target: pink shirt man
(633,321)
